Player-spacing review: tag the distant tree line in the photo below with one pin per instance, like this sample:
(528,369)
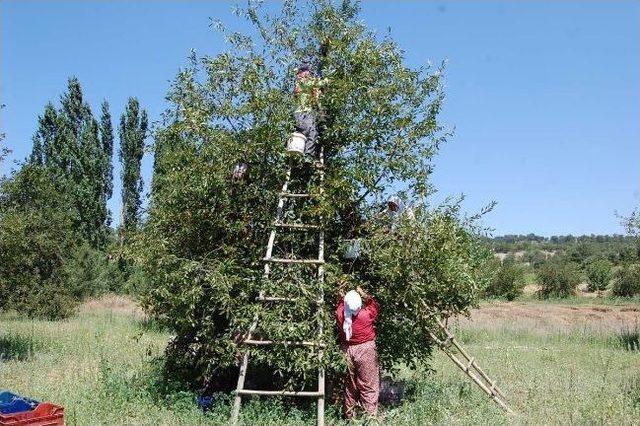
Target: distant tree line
(559,264)
(507,243)
(56,241)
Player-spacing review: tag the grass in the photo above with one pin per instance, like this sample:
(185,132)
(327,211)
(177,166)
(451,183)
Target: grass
(100,366)
(16,347)
(629,337)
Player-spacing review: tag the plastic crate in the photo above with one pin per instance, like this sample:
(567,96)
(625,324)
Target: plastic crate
(45,414)
(10,403)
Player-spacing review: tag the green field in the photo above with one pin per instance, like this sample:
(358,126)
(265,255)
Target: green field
(558,364)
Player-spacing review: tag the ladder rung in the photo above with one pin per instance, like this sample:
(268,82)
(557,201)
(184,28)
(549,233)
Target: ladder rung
(302,261)
(276,299)
(446,342)
(284,299)
(295,225)
(471,364)
(278,393)
(294,195)
(282,342)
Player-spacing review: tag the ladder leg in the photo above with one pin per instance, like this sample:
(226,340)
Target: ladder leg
(321,383)
(321,390)
(469,358)
(238,399)
(272,235)
(497,398)
(472,370)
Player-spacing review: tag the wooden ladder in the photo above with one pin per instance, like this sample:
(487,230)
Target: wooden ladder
(446,341)
(264,298)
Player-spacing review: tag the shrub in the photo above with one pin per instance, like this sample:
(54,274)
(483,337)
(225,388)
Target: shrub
(598,272)
(579,252)
(36,242)
(508,281)
(396,274)
(626,281)
(558,279)
(629,337)
(536,258)
(84,271)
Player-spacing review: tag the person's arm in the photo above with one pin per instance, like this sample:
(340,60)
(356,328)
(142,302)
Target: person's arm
(340,312)
(370,305)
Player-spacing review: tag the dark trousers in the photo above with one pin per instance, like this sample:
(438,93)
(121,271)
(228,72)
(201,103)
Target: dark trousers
(307,124)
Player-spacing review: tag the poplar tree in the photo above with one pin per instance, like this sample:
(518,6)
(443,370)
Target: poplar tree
(106,142)
(89,188)
(43,139)
(53,211)
(81,156)
(68,144)
(132,132)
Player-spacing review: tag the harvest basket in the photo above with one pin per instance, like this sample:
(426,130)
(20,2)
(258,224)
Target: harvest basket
(45,414)
(296,143)
(352,249)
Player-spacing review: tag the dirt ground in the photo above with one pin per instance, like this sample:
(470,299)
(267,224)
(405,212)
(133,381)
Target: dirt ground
(115,303)
(546,318)
(534,316)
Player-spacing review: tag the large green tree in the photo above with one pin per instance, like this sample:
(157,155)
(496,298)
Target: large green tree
(133,131)
(205,233)
(44,141)
(68,143)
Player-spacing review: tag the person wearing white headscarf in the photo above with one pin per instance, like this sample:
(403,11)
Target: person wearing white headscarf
(352,305)
(396,209)
(355,314)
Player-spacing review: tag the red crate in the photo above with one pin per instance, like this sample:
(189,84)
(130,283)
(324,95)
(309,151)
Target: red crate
(45,414)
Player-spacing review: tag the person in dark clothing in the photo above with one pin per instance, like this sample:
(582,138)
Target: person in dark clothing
(307,91)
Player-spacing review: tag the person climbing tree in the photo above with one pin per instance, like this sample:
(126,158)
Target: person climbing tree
(307,91)
(358,343)
(397,209)
(239,172)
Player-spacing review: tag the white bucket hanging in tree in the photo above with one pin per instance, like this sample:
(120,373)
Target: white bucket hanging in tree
(296,144)
(352,249)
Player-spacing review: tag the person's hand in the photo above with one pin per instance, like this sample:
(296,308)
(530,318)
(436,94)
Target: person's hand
(362,293)
(342,286)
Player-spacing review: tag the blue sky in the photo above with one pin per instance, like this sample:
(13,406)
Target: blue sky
(544,96)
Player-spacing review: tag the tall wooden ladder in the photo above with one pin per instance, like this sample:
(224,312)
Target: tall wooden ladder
(279,224)
(446,341)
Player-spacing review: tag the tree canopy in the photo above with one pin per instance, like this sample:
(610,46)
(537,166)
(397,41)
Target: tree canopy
(77,153)
(133,131)
(205,234)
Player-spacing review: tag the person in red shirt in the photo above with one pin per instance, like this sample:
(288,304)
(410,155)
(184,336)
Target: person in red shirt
(355,315)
